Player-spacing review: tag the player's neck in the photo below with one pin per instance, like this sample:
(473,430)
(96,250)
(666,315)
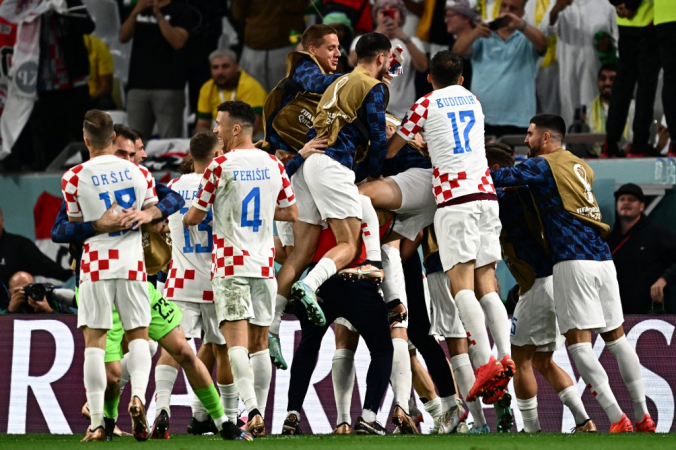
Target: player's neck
(94,152)
(242,143)
(371,68)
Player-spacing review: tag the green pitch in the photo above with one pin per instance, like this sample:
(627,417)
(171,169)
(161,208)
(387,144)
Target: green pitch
(489,442)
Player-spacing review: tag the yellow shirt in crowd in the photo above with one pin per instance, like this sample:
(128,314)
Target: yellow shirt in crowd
(248,90)
(100,61)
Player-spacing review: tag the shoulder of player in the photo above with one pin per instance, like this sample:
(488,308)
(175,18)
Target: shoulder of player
(174,181)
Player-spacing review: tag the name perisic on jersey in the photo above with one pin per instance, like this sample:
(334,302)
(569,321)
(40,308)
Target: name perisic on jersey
(111,178)
(251,175)
(456,101)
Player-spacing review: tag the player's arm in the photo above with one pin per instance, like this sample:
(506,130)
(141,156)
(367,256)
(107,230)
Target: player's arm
(413,123)
(205,197)
(375,105)
(286,209)
(395,144)
(288,214)
(194,216)
(311,78)
(530,172)
(67,232)
(169,202)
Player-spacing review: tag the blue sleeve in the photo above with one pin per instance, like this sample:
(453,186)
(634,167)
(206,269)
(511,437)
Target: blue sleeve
(311,78)
(65,232)
(293,165)
(533,171)
(375,117)
(170,201)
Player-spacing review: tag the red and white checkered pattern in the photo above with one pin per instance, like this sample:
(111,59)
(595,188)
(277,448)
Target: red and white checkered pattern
(455,174)
(234,185)
(86,188)
(189,278)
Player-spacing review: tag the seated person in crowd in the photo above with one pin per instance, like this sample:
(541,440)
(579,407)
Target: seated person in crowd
(27,297)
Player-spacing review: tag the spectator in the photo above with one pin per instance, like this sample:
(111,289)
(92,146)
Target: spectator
(22,297)
(432,27)
(228,82)
(504,64)
(18,253)
(100,74)
(665,26)
(461,18)
(576,24)
(389,16)
(644,254)
(264,53)
(157,69)
(358,13)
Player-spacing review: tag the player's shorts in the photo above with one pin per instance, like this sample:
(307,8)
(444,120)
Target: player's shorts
(417,202)
(445,320)
(324,190)
(130,297)
(285,232)
(344,322)
(200,317)
(468,231)
(245,298)
(587,296)
(534,320)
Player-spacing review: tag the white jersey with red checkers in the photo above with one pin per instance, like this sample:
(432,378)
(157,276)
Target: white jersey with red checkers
(189,277)
(452,123)
(244,187)
(89,190)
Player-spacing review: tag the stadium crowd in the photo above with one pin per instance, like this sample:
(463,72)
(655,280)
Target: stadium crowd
(325,159)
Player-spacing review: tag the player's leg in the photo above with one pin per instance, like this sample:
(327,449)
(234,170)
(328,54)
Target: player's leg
(464,376)
(401,380)
(372,268)
(424,387)
(342,373)
(200,422)
(226,383)
(261,363)
(494,309)
(384,193)
(525,387)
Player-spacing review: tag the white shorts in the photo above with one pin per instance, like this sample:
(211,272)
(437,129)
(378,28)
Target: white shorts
(444,319)
(344,322)
(324,190)
(285,232)
(417,202)
(468,231)
(245,298)
(131,299)
(534,319)
(201,317)
(587,296)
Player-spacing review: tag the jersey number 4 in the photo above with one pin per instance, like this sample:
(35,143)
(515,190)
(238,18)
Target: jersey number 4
(463,117)
(255,222)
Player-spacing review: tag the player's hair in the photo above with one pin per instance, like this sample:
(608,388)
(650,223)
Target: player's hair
(223,53)
(314,35)
(202,145)
(125,132)
(98,127)
(139,135)
(500,154)
(370,45)
(446,68)
(607,66)
(240,112)
(550,122)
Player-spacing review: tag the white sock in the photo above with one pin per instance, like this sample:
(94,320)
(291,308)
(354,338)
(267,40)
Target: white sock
(449,403)
(571,398)
(230,400)
(262,370)
(324,270)
(199,412)
(630,369)
(140,364)
(596,378)
(393,286)
(280,304)
(433,408)
(244,376)
(370,229)
(342,374)
(464,378)
(124,376)
(473,318)
(368,415)
(529,412)
(401,377)
(165,377)
(153,346)
(498,322)
(94,371)
(220,421)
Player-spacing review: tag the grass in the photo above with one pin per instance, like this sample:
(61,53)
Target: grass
(473,442)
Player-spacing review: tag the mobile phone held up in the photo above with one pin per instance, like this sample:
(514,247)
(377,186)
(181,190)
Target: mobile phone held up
(497,24)
(389,13)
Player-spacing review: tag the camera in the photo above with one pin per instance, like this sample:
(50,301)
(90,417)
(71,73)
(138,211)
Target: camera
(497,24)
(38,291)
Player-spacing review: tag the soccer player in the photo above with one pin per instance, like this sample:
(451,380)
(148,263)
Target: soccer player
(247,190)
(112,269)
(451,121)
(587,295)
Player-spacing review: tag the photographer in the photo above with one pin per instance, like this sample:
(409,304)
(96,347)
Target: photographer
(28,297)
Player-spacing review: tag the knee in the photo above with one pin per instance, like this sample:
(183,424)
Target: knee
(184,355)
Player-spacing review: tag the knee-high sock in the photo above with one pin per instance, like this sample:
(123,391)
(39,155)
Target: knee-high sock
(244,376)
(498,322)
(94,371)
(262,369)
(630,369)
(324,270)
(199,412)
(370,232)
(393,286)
(596,378)
(165,377)
(571,398)
(342,374)
(529,412)
(473,318)
(280,304)
(401,374)
(110,408)
(124,376)
(230,401)
(140,363)
(464,376)
(433,408)
(209,398)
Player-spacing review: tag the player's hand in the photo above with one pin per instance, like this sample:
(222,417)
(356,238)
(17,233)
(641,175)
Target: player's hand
(482,30)
(110,221)
(284,156)
(41,306)
(657,290)
(259,144)
(134,218)
(387,78)
(316,145)
(397,315)
(17,297)
(419,141)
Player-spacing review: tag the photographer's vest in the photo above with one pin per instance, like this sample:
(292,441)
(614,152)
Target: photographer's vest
(292,121)
(574,180)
